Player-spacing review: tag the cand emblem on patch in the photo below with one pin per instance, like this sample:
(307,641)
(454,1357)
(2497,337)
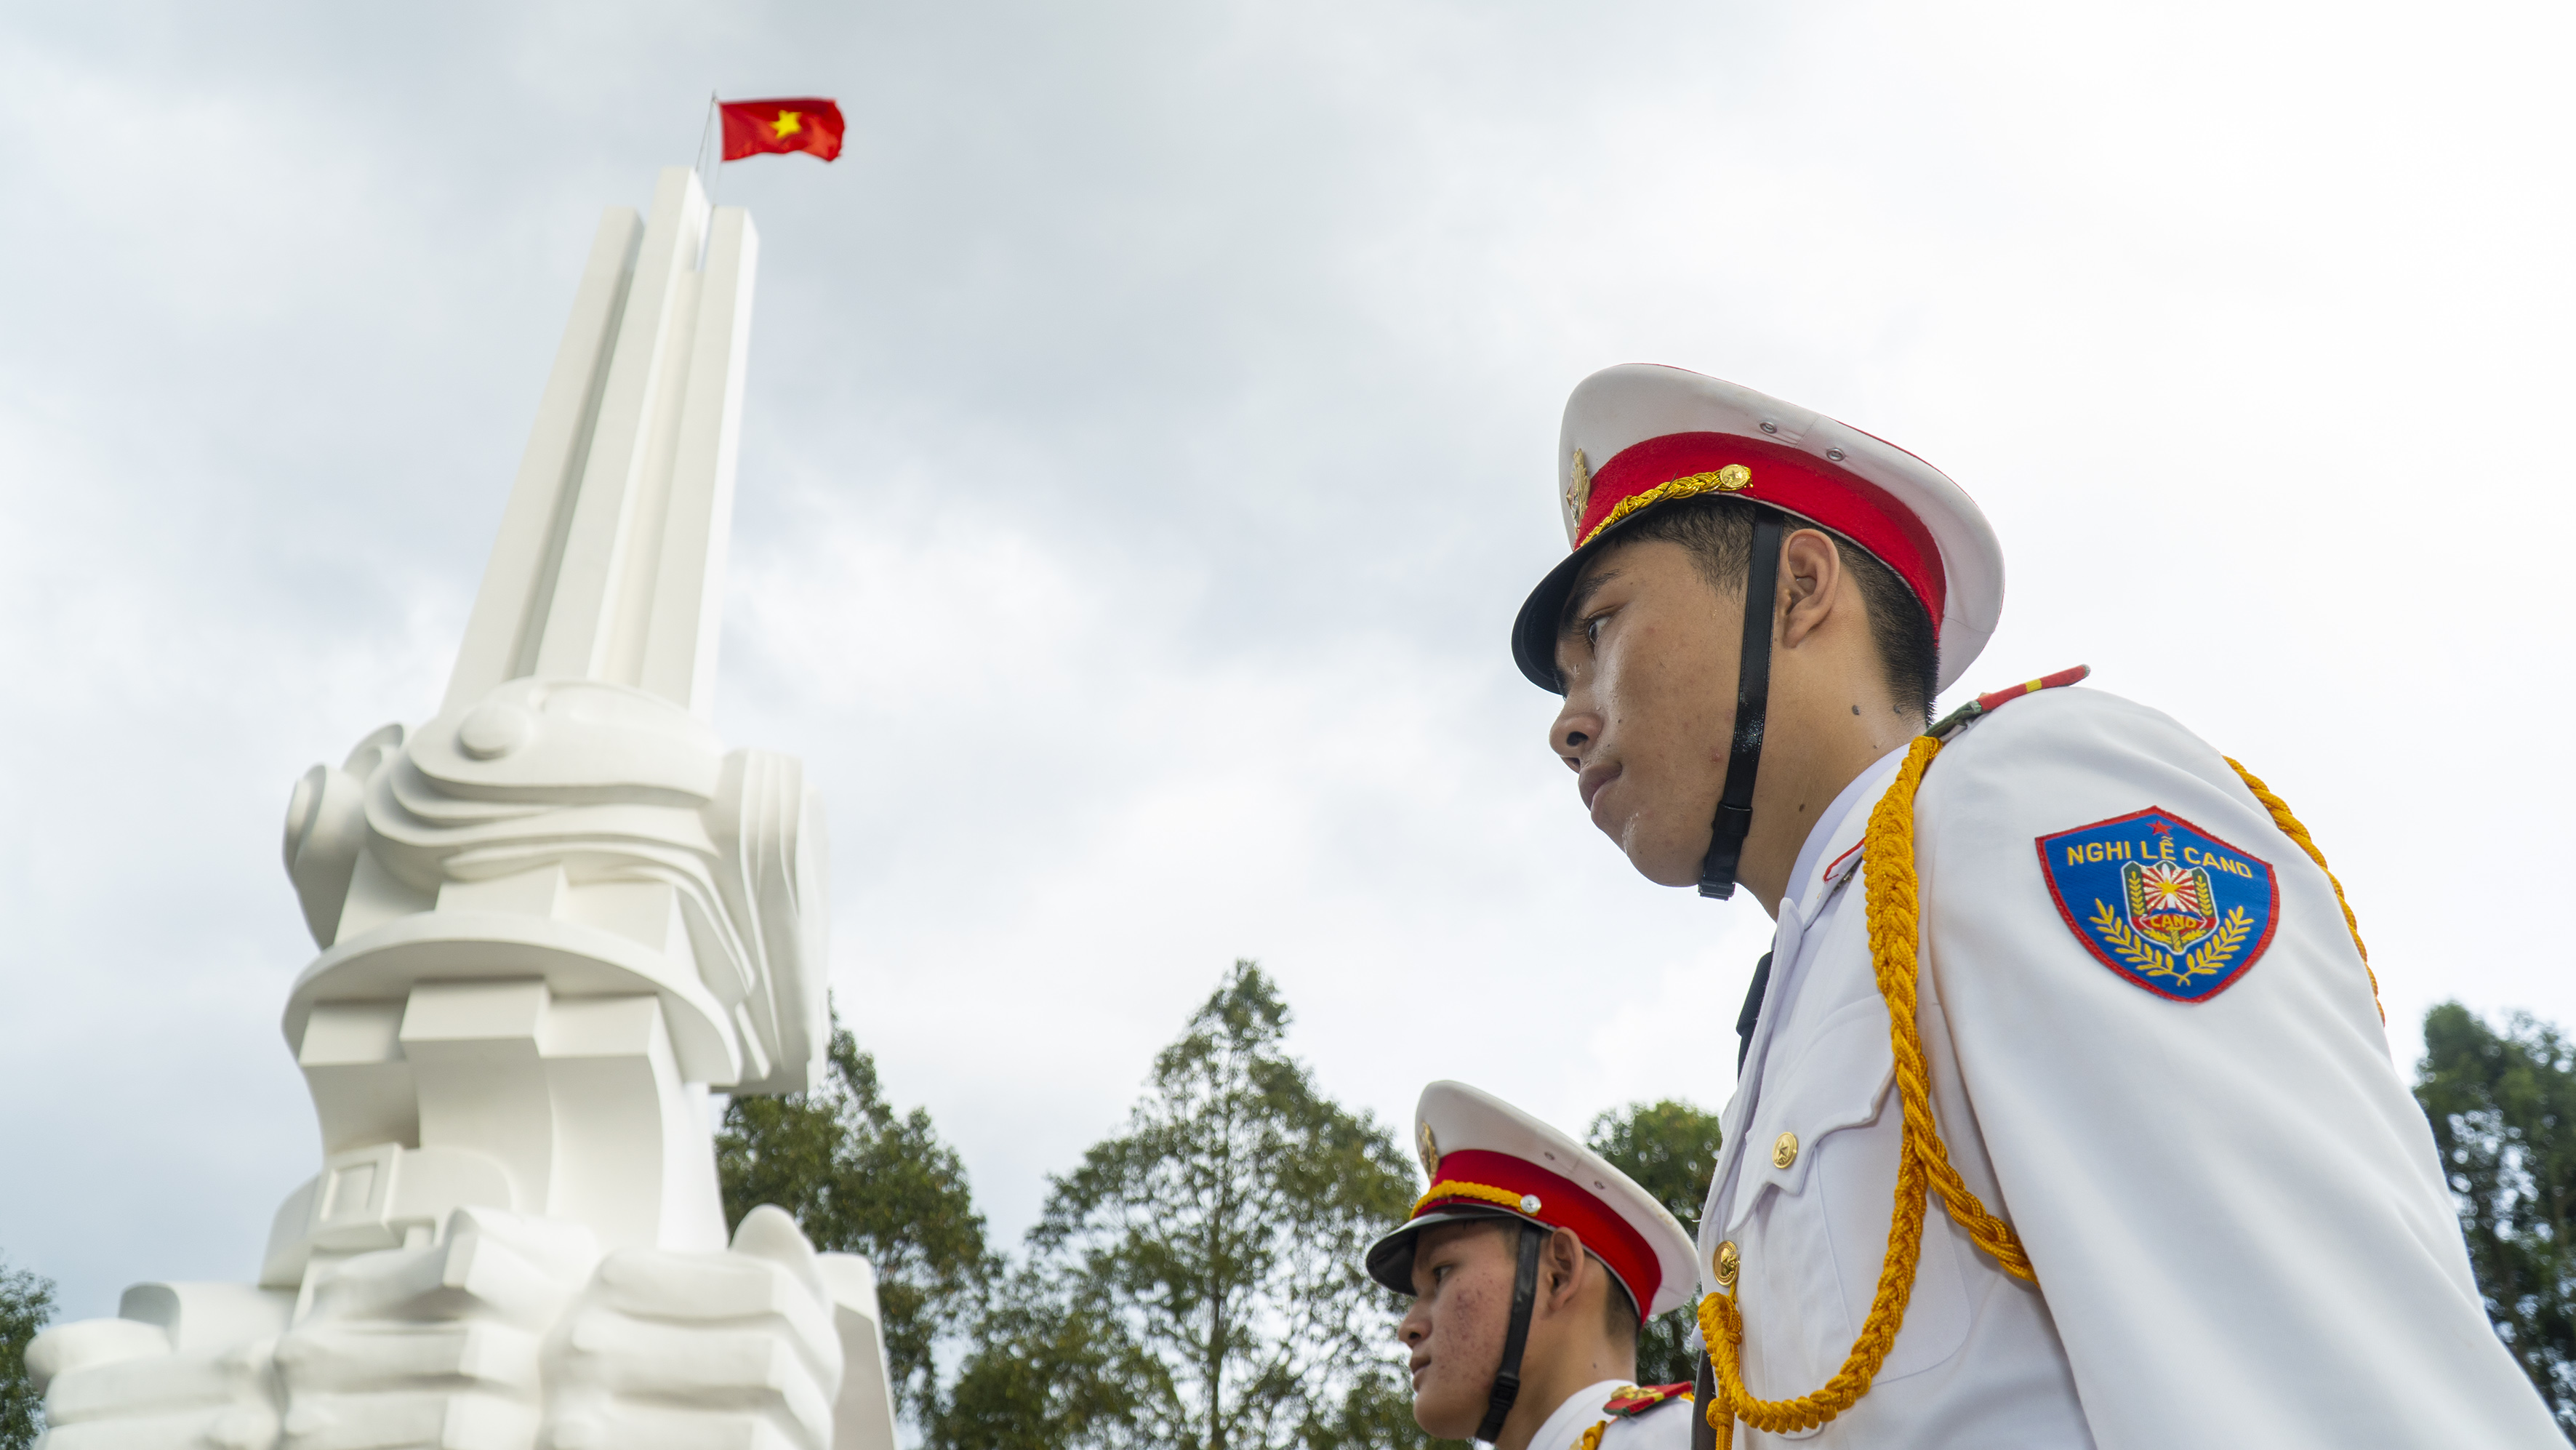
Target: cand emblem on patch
(1430,1153)
(2162,902)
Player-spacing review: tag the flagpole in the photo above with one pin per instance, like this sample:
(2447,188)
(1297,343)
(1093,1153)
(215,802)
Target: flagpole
(707,173)
(698,162)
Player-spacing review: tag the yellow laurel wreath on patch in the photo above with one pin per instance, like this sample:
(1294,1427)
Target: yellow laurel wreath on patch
(2207,959)
(2212,955)
(2124,939)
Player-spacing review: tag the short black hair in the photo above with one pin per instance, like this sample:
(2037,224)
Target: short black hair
(1619,1311)
(1718,532)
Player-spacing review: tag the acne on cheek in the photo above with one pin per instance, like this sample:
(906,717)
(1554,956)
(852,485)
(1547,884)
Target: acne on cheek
(1458,1315)
(1438,1388)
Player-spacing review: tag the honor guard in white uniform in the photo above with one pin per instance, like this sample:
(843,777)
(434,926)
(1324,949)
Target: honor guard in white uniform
(2064,1112)
(1532,1263)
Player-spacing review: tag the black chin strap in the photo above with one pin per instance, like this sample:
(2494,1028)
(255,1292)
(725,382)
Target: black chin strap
(1507,1380)
(1752,703)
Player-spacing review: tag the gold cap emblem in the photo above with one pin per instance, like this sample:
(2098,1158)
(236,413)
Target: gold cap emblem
(1430,1149)
(1578,489)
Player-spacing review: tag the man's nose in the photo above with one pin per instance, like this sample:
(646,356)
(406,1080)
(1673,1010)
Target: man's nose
(1570,735)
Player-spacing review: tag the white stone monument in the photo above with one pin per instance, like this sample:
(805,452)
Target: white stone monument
(553,920)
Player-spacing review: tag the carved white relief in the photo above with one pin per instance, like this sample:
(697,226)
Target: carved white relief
(598,806)
(506,1333)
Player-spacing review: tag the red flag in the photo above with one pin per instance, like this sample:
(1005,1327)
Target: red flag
(804,123)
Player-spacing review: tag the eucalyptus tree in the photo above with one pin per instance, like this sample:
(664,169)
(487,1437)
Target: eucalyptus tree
(1195,1283)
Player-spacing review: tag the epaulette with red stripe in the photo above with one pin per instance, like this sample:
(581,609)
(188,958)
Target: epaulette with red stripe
(1637,1399)
(1986,704)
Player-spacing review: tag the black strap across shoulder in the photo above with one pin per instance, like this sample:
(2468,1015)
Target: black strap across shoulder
(1750,1016)
(1703,1394)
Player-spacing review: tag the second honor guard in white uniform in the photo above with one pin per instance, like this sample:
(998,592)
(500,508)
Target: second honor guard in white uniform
(1532,1265)
(2064,1113)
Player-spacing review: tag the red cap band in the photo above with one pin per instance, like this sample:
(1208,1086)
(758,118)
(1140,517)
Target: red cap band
(1561,1204)
(1788,479)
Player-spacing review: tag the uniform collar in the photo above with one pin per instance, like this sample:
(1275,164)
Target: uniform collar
(1581,1411)
(1830,855)
(1833,843)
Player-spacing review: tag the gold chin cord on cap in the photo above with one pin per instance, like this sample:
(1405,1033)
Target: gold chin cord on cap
(1923,1165)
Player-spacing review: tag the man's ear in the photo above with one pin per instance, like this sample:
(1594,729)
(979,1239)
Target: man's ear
(1561,1262)
(1811,576)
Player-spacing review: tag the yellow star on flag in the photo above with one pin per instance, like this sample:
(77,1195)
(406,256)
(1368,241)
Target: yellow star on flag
(785,125)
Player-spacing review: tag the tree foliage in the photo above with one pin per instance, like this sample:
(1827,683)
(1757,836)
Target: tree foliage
(26,1302)
(1195,1284)
(2503,1111)
(1670,1148)
(1047,1370)
(861,1179)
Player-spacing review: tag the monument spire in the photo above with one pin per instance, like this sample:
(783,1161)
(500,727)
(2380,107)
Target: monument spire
(610,561)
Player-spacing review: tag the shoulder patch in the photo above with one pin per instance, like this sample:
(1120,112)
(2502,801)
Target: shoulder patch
(2163,903)
(1637,1399)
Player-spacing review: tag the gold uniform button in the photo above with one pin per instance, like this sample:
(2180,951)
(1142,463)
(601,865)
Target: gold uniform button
(1727,1262)
(1784,1150)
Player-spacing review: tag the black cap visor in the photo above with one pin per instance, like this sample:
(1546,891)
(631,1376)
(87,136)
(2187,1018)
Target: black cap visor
(1542,615)
(1390,1259)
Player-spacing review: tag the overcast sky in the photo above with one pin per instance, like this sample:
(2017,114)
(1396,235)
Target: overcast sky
(1149,436)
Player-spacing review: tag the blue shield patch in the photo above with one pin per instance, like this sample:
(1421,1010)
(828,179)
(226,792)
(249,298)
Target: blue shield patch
(2160,901)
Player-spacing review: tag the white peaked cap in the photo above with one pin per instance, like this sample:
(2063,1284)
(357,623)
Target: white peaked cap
(1488,1159)
(1639,434)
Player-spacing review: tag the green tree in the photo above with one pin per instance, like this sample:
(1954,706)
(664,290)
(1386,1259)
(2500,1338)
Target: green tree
(1049,1369)
(861,1179)
(2503,1111)
(26,1302)
(1670,1148)
(1195,1284)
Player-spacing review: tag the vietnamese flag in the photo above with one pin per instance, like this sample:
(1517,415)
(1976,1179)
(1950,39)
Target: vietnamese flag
(805,123)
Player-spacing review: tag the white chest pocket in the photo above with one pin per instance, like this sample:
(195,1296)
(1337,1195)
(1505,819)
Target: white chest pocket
(1818,1187)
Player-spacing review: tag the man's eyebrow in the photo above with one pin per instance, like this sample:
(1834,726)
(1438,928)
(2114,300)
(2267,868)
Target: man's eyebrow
(1584,589)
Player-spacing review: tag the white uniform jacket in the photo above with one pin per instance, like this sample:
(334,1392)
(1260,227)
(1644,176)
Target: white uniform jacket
(1660,1427)
(2240,1231)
